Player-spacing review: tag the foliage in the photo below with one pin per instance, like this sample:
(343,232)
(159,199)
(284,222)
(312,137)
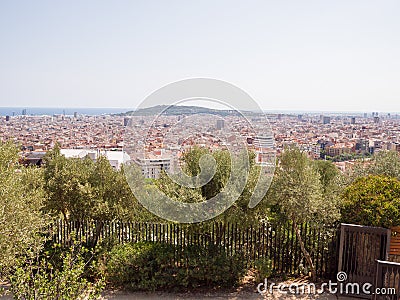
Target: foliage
(298,190)
(373,201)
(328,173)
(386,163)
(263,267)
(140,265)
(333,183)
(67,186)
(369,185)
(191,161)
(239,211)
(23,231)
(149,266)
(211,266)
(38,278)
(178,192)
(21,198)
(80,188)
(348,156)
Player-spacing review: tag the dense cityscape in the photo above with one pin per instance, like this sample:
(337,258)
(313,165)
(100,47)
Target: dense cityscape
(338,137)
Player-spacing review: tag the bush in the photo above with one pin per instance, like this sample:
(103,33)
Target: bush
(152,266)
(141,265)
(372,201)
(263,268)
(21,199)
(39,279)
(211,266)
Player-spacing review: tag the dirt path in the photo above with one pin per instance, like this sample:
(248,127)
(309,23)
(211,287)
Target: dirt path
(230,296)
(247,291)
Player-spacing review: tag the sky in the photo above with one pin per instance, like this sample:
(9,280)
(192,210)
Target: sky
(288,55)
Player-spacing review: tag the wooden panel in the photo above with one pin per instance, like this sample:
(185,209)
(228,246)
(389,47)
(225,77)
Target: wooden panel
(387,277)
(395,241)
(359,247)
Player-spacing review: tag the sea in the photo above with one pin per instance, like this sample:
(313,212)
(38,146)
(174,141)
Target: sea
(50,111)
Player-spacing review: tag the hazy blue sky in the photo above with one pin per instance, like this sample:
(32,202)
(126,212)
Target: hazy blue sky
(292,55)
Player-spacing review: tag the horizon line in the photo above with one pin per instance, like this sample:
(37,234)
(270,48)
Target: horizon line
(277,110)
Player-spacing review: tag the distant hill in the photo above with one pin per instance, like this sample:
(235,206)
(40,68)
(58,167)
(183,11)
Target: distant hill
(175,110)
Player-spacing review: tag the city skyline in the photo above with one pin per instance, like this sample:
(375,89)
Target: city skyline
(93,111)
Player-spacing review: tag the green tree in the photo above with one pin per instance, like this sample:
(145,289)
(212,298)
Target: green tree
(79,189)
(372,201)
(67,186)
(23,232)
(191,159)
(82,189)
(112,196)
(328,172)
(386,163)
(21,199)
(191,166)
(297,190)
(332,180)
(239,211)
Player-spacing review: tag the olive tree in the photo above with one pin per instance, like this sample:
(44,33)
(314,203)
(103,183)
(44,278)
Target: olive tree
(21,200)
(299,193)
(79,188)
(239,211)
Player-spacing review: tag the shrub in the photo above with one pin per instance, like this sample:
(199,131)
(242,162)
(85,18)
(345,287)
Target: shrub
(39,279)
(152,266)
(211,266)
(141,265)
(372,201)
(263,268)
(21,199)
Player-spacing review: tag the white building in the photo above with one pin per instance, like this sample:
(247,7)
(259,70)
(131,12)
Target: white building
(264,146)
(263,142)
(152,167)
(116,158)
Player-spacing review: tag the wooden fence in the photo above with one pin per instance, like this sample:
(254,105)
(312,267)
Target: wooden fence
(277,242)
(387,280)
(359,248)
